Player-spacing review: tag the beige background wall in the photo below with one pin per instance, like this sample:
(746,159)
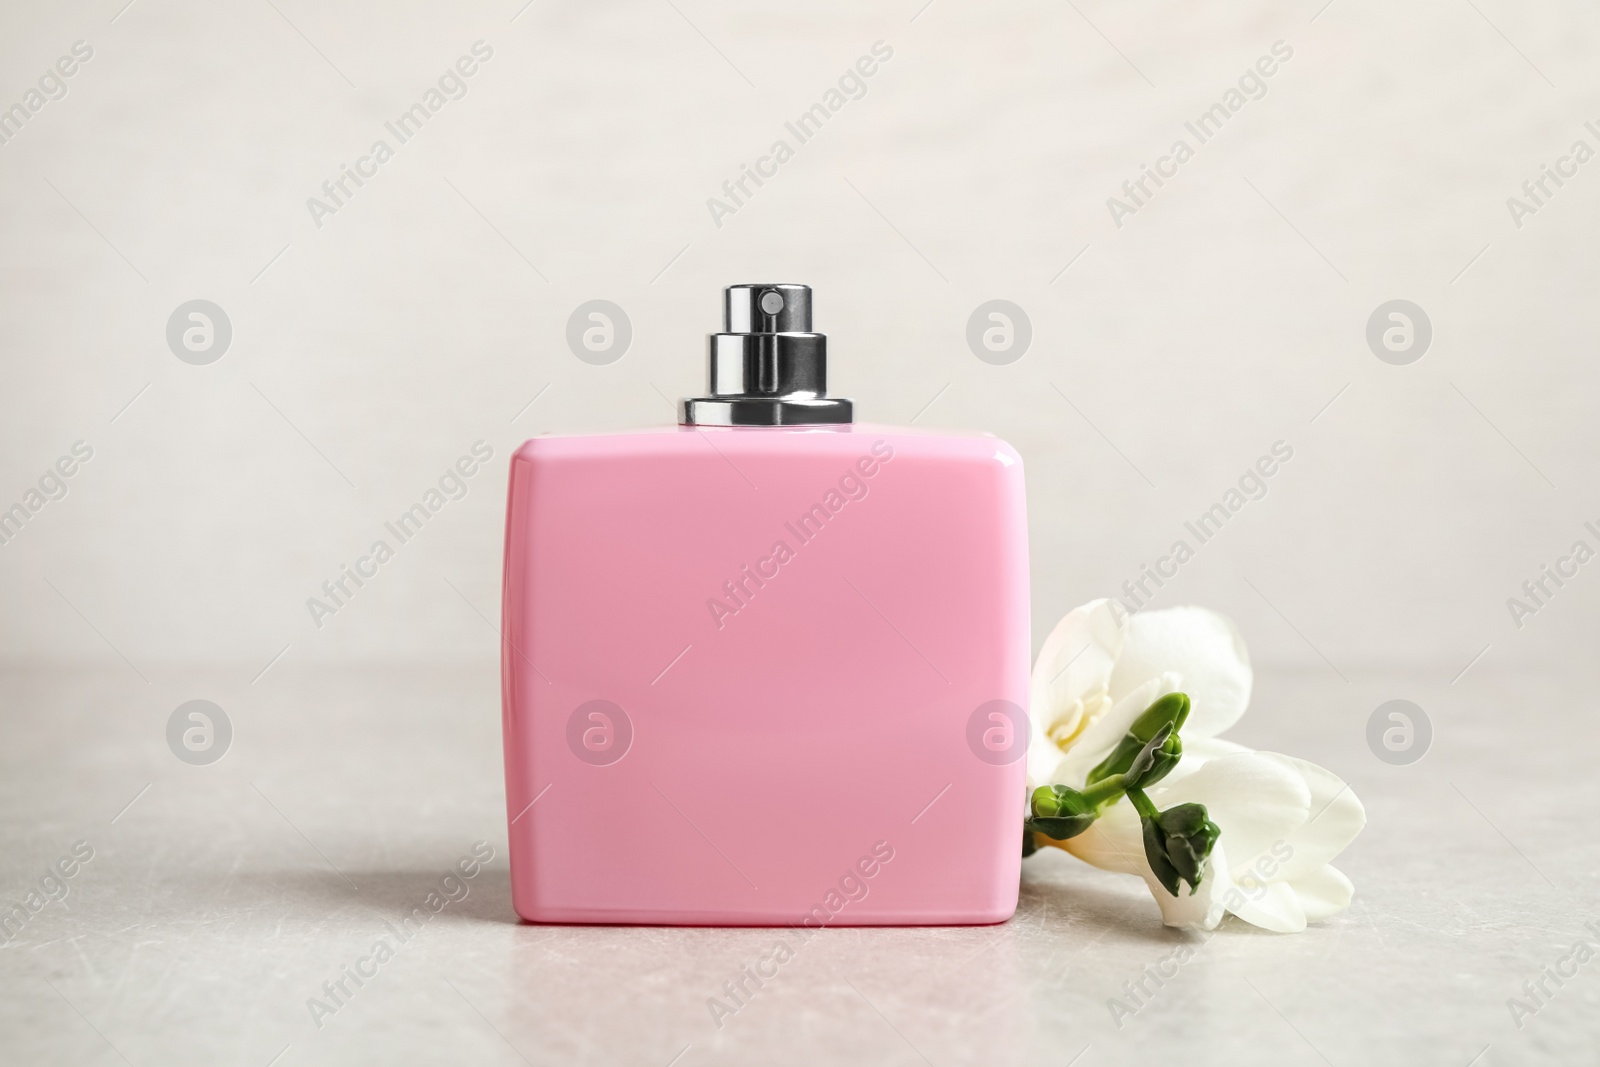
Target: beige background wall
(1225,315)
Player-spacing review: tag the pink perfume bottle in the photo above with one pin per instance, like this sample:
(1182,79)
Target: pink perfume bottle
(767,667)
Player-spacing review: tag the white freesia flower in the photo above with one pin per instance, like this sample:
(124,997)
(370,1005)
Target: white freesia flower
(1282,819)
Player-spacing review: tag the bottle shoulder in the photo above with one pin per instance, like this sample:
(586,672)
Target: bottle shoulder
(712,473)
(844,439)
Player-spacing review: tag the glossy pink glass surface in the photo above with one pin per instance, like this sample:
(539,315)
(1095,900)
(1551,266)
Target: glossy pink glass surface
(809,744)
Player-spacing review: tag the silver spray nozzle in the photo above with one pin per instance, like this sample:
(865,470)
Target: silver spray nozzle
(767,368)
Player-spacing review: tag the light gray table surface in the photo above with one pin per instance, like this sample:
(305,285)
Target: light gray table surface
(222,897)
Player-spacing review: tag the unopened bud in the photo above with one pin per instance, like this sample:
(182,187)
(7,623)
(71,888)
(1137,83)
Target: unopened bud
(1168,712)
(1178,842)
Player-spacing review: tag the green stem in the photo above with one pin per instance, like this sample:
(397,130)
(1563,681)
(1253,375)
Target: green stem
(1142,804)
(1103,790)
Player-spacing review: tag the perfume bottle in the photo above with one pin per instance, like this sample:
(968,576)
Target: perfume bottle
(769,666)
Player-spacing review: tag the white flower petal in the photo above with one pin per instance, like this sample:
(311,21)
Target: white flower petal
(1257,799)
(1323,893)
(1201,910)
(1202,646)
(1075,663)
(1043,759)
(1333,820)
(1114,843)
(1269,905)
(1198,753)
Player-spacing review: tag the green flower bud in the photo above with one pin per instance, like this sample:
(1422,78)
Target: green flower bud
(1177,842)
(1169,711)
(1060,812)
(1155,760)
